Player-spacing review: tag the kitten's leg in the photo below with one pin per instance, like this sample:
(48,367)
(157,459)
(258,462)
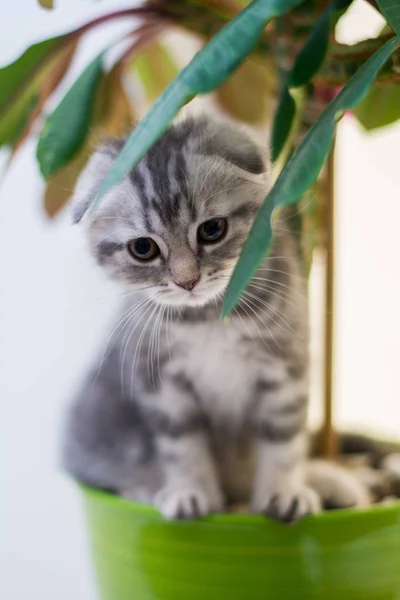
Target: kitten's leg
(191,487)
(280,490)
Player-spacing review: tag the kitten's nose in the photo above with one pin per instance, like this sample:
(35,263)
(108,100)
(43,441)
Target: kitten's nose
(188,285)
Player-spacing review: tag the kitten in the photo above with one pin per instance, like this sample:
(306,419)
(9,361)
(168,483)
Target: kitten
(183,411)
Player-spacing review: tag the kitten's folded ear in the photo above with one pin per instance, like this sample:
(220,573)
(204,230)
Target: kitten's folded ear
(89,181)
(235,146)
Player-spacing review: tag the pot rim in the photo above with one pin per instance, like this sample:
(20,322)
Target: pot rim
(244,519)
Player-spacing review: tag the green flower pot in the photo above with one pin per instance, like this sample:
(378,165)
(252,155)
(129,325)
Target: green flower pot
(340,555)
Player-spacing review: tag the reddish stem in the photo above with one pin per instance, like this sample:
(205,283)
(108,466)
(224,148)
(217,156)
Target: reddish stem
(146,35)
(66,38)
(119,14)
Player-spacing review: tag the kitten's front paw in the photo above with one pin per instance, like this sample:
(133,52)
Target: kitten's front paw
(289,504)
(186,503)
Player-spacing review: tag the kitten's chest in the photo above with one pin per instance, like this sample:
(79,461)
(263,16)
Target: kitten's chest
(224,368)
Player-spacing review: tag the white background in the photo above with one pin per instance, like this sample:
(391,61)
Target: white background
(55,306)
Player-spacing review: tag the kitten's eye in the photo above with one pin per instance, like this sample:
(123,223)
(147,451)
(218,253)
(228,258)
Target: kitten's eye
(212,231)
(143,249)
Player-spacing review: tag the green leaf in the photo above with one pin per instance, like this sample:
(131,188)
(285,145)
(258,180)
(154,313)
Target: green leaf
(391,11)
(311,56)
(112,116)
(301,171)
(14,78)
(380,107)
(208,70)
(66,128)
(16,120)
(282,124)
(22,101)
(306,65)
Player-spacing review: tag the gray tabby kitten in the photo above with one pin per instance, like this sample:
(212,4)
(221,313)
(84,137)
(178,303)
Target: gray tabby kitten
(183,411)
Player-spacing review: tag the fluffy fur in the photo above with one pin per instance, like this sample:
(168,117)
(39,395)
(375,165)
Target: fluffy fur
(183,411)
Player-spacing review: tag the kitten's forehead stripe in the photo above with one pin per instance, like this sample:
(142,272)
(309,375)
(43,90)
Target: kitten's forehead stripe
(137,180)
(180,172)
(157,164)
(159,210)
(162,177)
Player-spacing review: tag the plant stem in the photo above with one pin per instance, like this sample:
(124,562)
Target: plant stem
(143,36)
(141,11)
(329,440)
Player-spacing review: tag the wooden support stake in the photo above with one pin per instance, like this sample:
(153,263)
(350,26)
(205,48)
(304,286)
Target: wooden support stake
(329,440)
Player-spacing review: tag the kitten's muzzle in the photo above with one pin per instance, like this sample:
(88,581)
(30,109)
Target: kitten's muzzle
(189,284)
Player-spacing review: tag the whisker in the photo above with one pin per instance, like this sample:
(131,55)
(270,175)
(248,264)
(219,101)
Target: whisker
(152,352)
(291,275)
(145,308)
(276,312)
(248,303)
(275,294)
(283,230)
(126,317)
(281,294)
(245,302)
(139,344)
(251,301)
(280,256)
(159,340)
(169,323)
(286,287)
(243,322)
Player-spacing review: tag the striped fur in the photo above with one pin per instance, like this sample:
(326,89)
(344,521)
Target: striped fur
(186,412)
